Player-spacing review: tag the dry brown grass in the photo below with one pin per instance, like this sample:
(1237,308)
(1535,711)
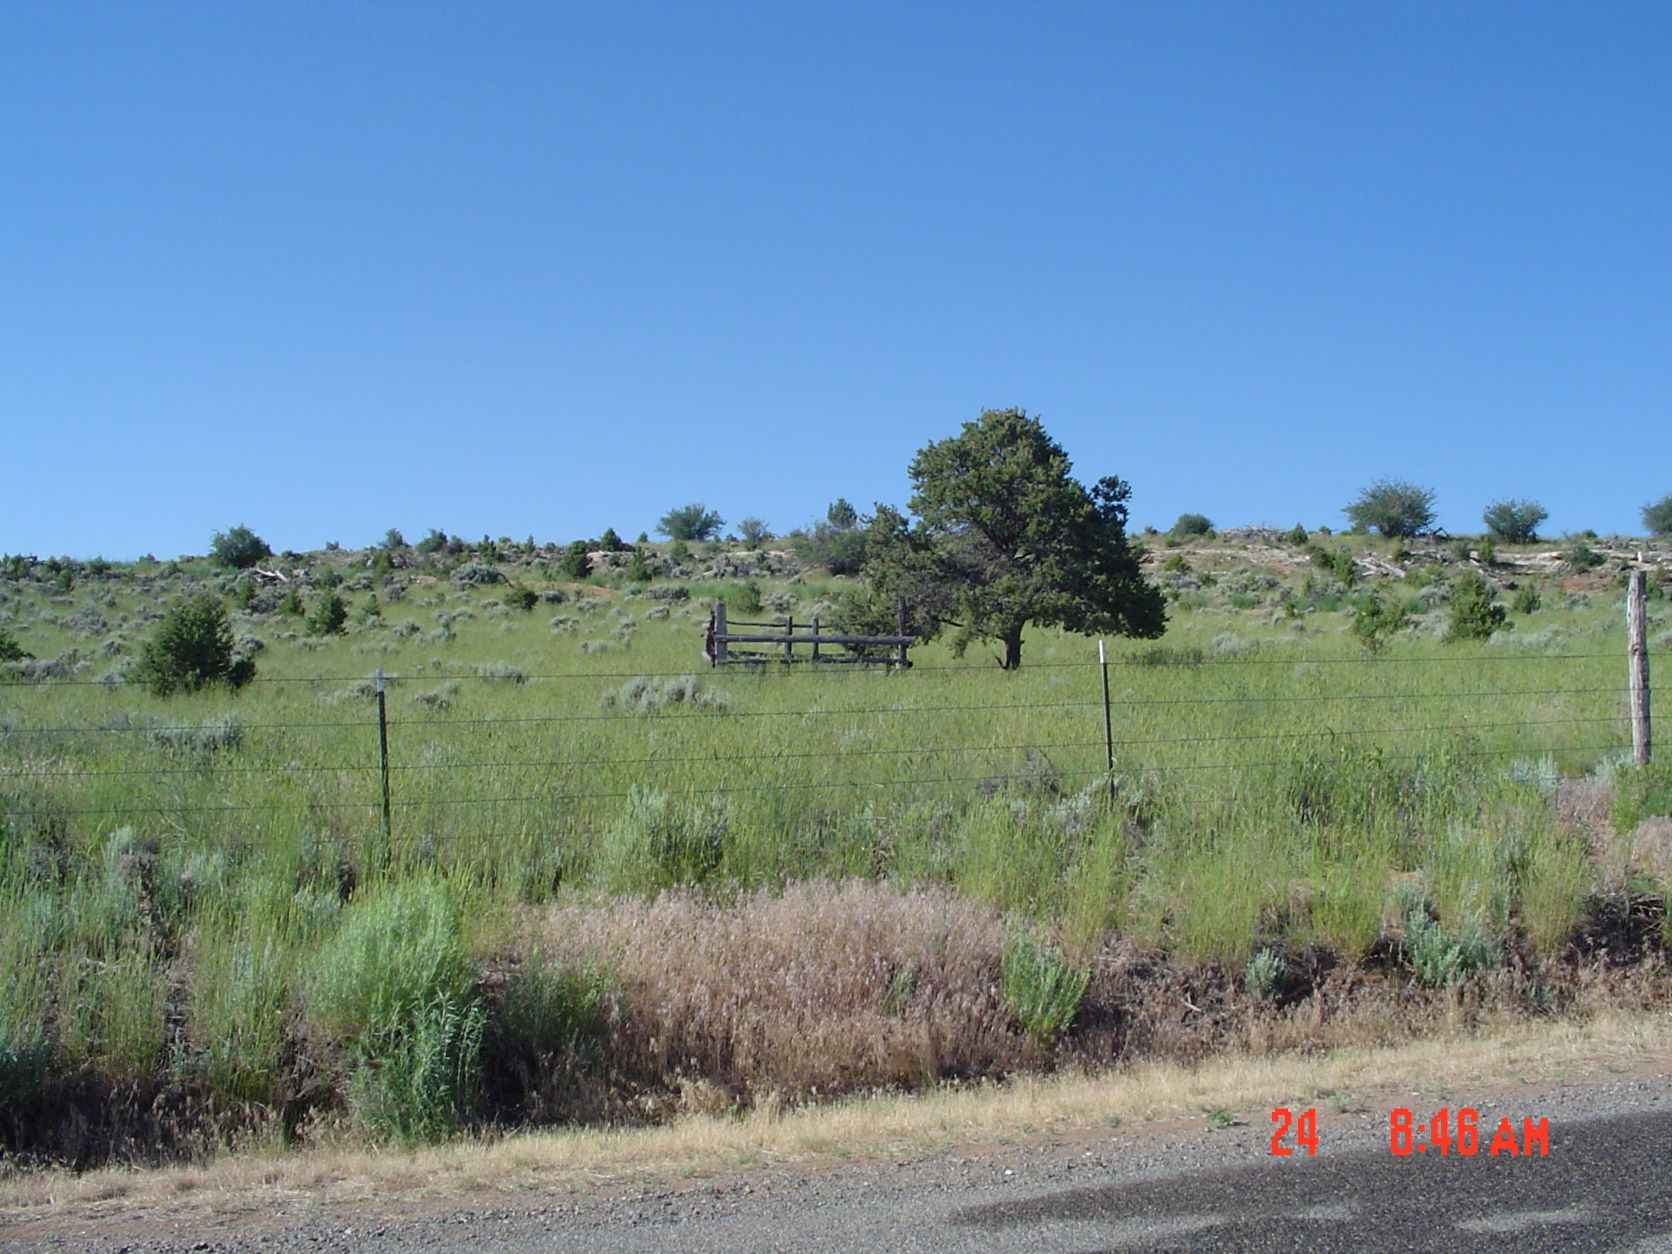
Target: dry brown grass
(818,989)
(878,1127)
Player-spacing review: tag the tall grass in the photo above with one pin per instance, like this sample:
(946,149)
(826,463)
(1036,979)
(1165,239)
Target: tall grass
(195,893)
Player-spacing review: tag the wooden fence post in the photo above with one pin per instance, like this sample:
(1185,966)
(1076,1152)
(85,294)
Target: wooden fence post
(719,632)
(1108,724)
(900,618)
(1637,652)
(383,760)
(789,645)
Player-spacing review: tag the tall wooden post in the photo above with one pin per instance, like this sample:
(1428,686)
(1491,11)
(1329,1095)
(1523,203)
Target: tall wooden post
(1637,652)
(900,619)
(815,640)
(1108,723)
(719,632)
(383,759)
(789,631)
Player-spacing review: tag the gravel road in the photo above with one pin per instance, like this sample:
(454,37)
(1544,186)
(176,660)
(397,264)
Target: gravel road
(1605,1185)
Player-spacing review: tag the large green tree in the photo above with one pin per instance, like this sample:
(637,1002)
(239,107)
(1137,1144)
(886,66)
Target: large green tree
(1005,537)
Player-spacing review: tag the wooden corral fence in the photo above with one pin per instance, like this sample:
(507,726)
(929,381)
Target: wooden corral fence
(779,640)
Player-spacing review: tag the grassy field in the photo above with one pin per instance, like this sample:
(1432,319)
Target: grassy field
(211,937)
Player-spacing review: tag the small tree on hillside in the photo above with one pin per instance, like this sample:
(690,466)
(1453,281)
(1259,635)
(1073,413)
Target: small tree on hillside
(754,531)
(841,515)
(1376,621)
(691,522)
(10,649)
(1192,525)
(1475,612)
(610,542)
(239,548)
(1514,522)
(329,615)
(576,562)
(1657,516)
(192,649)
(1392,507)
(1006,537)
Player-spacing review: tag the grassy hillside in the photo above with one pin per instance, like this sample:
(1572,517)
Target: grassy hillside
(212,936)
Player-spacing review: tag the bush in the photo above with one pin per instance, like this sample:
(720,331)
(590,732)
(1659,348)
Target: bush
(10,649)
(1439,957)
(1526,600)
(330,612)
(1297,536)
(1376,621)
(1262,978)
(612,543)
(657,843)
(638,569)
(754,531)
(1192,525)
(576,562)
(1514,522)
(1392,507)
(519,597)
(691,522)
(1042,989)
(1657,516)
(1475,613)
(193,648)
(239,548)
(394,991)
(1579,557)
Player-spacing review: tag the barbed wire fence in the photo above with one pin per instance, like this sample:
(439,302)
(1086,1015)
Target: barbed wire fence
(1088,739)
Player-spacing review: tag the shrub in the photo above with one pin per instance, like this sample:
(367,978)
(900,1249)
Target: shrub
(1657,516)
(657,843)
(754,531)
(1376,621)
(1579,557)
(1392,507)
(1297,536)
(744,598)
(612,543)
(1262,978)
(192,649)
(576,562)
(638,569)
(643,694)
(10,649)
(330,612)
(1526,600)
(1042,989)
(520,597)
(434,542)
(1438,957)
(1475,613)
(239,548)
(394,991)
(1192,525)
(691,522)
(476,573)
(1514,522)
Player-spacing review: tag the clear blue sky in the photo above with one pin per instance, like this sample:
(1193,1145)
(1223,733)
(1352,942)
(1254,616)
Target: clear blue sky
(546,268)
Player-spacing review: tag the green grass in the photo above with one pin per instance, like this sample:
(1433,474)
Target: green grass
(191,888)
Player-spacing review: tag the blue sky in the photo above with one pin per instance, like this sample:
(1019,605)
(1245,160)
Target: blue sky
(542,268)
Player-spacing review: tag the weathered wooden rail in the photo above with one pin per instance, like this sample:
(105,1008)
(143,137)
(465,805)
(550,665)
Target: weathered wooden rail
(719,640)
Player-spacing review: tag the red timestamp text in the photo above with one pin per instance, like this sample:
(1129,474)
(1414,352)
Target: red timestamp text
(1448,1132)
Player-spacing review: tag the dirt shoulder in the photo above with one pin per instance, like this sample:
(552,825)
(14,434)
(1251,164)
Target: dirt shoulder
(1143,1119)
